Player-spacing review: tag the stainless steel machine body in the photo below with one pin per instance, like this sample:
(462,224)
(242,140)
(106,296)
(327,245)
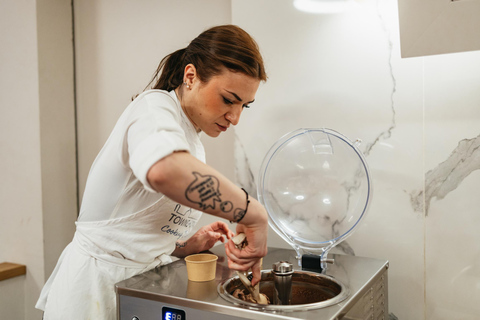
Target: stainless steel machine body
(166,293)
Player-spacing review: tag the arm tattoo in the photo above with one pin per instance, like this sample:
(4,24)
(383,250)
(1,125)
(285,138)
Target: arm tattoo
(180,244)
(226,206)
(238,215)
(204,191)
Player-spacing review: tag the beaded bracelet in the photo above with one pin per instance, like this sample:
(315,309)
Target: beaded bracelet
(245,211)
(246,207)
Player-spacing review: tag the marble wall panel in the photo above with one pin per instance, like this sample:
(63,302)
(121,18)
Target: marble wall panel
(344,72)
(419,122)
(452,181)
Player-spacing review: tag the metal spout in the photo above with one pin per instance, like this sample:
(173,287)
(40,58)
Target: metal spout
(282,276)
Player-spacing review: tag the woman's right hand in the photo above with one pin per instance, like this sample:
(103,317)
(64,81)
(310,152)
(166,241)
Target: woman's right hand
(250,256)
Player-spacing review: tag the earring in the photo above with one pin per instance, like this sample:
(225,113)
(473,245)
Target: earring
(188,87)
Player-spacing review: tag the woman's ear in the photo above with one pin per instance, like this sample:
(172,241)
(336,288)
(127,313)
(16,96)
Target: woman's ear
(190,74)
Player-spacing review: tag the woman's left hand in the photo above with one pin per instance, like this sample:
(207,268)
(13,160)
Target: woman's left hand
(204,239)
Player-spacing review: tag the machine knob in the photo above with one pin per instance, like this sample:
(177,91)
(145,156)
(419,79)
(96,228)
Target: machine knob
(282,268)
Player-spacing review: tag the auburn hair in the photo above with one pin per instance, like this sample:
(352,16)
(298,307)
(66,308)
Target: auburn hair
(222,46)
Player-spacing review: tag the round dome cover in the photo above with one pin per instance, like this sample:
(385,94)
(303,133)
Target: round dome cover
(316,187)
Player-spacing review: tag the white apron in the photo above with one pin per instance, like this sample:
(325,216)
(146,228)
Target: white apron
(103,253)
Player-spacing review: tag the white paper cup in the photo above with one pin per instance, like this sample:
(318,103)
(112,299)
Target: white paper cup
(201,267)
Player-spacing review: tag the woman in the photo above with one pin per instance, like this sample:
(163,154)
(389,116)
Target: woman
(149,180)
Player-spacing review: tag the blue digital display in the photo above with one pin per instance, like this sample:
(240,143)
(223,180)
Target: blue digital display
(173,314)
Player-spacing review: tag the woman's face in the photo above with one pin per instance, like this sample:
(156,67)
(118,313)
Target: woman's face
(215,105)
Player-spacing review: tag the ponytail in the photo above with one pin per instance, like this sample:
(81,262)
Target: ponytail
(226,46)
(169,73)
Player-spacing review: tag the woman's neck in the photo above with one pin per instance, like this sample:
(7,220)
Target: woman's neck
(179,93)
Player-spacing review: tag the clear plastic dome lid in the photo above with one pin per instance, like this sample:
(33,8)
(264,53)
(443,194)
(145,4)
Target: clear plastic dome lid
(316,187)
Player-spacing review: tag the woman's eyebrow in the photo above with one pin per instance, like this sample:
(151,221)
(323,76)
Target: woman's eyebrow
(237,97)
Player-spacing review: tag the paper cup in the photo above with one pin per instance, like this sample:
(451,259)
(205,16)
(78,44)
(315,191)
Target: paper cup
(201,267)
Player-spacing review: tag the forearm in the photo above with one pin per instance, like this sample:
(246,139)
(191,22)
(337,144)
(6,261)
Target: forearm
(190,182)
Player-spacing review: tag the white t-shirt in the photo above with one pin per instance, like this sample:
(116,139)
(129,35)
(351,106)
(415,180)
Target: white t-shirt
(152,127)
